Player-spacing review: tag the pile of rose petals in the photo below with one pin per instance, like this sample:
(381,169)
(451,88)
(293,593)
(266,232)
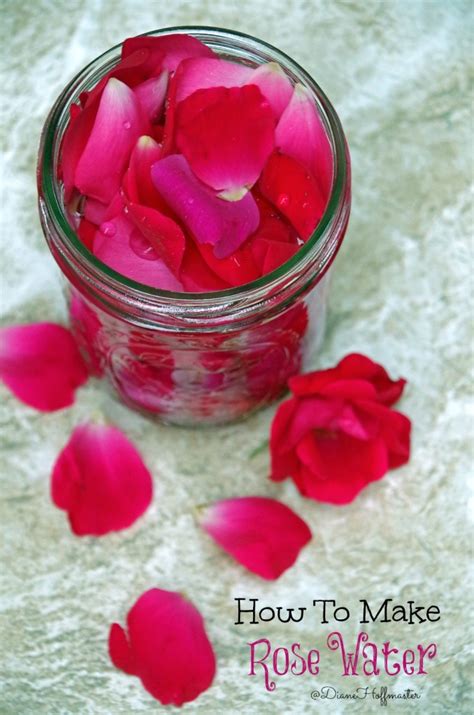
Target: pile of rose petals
(335,435)
(188,172)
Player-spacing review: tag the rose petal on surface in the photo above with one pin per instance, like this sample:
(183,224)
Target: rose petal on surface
(41,365)
(292,189)
(274,85)
(226,134)
(301,135)
(120,245)
(206,72)
(223,224)
(168,648)
(262,534)
(151,95)
(100,480)
(353,366)
(166,51)
(117,126)
(163,233)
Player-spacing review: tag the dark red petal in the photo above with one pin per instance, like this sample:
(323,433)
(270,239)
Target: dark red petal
(394,428)
(356,365)
(166,51)
(120,651)
(41,365)
(301,135)
(196,276)
(169,648)
(292,189)
(163,233)
(223,224)
(236,269)
(262,534)
(118,124)
(226,134)
(205,72)
(86,232)
(100,480)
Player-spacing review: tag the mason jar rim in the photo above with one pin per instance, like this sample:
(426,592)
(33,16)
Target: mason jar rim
(94,272)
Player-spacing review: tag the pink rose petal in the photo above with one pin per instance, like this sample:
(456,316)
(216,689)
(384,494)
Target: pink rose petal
(117,126)
(74,142)
(151,95)
(301,135)
(274,85)
(41,365)
(100,480)
(165,51)
(137,183)
(205,72)
(166,646)
(164,235)
(262,534)
(226,134)
(223,224)
(122,246)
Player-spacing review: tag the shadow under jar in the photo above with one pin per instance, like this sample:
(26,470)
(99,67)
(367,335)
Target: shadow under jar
(196,358)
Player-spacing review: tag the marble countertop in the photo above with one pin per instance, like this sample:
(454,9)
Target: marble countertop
(399,75)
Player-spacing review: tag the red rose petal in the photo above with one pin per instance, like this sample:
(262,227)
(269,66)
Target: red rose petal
(226,134)
(94,211)
(274,85)
(100,480)
(301,135)
(86,232)
(122,246)
(41,365)
(117,126)
(223,224)
(137,183)
(196,276)
(292,189)
(151,95)
(236,269)
(262,534)
(163,233)
(166,51)
(205,72)
(168,648)
(75,139)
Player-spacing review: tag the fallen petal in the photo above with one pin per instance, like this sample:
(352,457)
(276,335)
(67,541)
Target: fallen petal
(41,364)
(166,646)
(274,85)
(123,247)
(301,135)
(294,191)
(262,534)
(100,480)
(226,134)
(223,224)
(117,126)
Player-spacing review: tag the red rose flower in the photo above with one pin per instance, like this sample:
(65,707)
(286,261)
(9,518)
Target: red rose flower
(338,433)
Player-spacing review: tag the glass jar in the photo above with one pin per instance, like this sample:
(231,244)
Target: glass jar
(195,358)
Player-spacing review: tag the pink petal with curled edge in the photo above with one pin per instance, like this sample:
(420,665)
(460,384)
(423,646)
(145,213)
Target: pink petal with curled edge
(274,85)
(301,135)
(100,480)
(137,182)
(166,646)
(166,51)
(41,364)
(118,124)
(151,95)
(121,246)
(205,72)
(163,233)
(223,224)
(226,135)
(262,534)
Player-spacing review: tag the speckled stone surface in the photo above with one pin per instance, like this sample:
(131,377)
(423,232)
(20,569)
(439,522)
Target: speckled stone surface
(399,74)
